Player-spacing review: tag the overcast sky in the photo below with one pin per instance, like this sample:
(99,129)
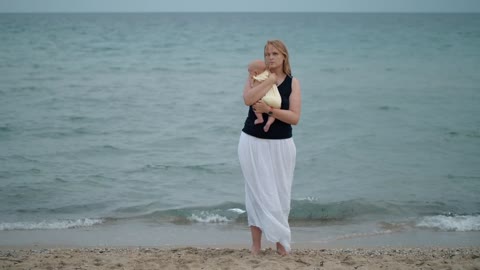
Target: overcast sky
(240,5)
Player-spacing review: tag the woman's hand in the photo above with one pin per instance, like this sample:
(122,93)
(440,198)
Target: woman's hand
(261,107)
(253,92)
(292,114)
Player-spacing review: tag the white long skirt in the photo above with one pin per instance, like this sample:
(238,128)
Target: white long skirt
(267,167)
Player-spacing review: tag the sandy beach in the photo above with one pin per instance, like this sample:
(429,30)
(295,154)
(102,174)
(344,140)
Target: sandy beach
(138,246)
(228,258)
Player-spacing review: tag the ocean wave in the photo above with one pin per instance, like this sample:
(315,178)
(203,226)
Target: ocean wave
(456,223)
(311,209)
(306,211)
(237,210)
(50,225)
(222,213)
(207,217)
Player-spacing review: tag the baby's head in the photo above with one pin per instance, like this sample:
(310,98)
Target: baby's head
(256,67)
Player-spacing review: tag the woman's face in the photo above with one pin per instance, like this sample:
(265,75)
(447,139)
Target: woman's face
(273,57)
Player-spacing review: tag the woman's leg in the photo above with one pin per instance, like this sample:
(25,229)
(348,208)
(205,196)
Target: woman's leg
(256,239)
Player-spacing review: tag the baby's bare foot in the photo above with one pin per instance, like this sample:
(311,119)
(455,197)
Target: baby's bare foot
(266,127)
(258,121)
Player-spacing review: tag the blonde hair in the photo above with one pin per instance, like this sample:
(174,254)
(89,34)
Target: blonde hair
(280,46)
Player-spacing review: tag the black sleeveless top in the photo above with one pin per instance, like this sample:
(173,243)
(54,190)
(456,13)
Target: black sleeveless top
(279,129)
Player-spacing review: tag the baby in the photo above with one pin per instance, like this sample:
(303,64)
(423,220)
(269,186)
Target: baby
(258,72)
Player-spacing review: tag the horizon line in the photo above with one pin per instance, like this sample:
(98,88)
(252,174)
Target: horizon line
(365,12)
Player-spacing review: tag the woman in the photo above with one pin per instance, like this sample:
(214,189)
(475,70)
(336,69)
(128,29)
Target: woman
(267,159)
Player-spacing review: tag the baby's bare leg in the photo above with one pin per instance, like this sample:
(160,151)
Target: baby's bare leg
(259,119)
(270,121)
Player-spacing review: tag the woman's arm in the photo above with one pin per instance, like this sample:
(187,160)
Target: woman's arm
(252,94)
(290,116)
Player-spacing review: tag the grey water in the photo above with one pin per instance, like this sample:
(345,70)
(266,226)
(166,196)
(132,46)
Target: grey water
(120,117)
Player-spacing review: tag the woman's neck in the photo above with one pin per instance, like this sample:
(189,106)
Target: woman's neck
(280,76)
(278,72)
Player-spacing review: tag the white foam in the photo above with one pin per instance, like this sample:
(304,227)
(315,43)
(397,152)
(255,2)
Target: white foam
(50,225)
(205,217)
(451,223)
(237,210)
(309,199)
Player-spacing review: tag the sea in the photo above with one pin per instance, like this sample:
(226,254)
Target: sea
(123,128)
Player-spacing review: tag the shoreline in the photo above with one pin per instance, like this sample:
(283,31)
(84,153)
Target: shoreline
(235,258)
(137,245)
(139,234)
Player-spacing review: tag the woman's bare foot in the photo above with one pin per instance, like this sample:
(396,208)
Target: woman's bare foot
(281,250)
(255,251)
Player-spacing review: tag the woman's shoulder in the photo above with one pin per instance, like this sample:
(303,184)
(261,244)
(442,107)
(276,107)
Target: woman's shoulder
(291,77)
(294,79)
(295,83)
